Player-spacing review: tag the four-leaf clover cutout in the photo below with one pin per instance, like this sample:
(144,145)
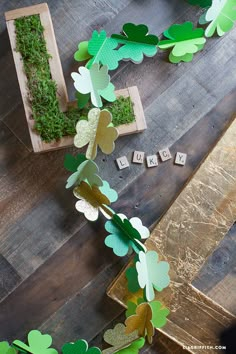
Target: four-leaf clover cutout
(86,171)
(96,131)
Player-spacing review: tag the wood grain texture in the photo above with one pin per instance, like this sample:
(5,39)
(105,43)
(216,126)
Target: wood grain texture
(187,107)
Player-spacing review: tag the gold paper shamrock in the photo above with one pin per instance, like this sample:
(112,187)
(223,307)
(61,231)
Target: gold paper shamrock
(97,130)
(91,200)
(141,322)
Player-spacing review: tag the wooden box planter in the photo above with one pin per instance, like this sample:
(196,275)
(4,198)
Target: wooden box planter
(57,75)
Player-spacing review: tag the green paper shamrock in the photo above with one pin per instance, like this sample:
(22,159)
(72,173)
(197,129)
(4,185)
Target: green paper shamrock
(136,42)
(94,198)
(185,41)
(152,274)
(5,348)
(38,344)
(79,347)
(82,53)
(133,348)
(201,3)
(102,48)
(125,234)
(132,277)
(71,163)
(94,81)
(96,131)
(131,307)
(221,16)
(159,314)
(120,341)
(82,100)
(87,171)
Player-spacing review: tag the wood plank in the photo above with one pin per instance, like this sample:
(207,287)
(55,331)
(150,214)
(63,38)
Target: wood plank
(206,206)
(26,11)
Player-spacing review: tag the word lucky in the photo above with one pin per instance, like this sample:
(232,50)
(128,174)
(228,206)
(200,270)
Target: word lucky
(138,157)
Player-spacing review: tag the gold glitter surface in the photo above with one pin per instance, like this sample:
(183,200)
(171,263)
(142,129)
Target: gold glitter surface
(187,234)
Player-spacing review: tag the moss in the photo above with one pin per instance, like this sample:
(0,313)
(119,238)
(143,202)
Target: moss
(50,122)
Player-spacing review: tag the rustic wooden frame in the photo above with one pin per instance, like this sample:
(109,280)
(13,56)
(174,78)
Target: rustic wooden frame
(57,75)
(186,236)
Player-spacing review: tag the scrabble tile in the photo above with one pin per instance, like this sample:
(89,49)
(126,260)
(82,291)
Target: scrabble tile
(152,161)
(122,162)
(138,156)
(180,158)
(165,154)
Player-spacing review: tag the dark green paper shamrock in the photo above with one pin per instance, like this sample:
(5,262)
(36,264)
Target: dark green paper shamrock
(71,163)
(79,347)
(201,3)
(136,42)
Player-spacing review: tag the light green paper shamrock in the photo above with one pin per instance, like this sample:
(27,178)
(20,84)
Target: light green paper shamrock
(38,344)
(5,348)
(87,171)
(201,3)
(121,341)
(152,274)
(102,48)
(125,234)
(221,16)
(96,131)
(133,348)
(94,81)
(185,41)
(79,347)
(136,42)
(159,314)
(82,53)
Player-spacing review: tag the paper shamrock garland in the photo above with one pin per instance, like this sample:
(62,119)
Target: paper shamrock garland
(94,81)
(141,322)
(221,16)
(80,347)
(102,48)
(136,42)
(86,171)
(38,343)
(71,163)
(92,199)
(6,349)
(121,341)
(185,41)
(96,131)
(125,234)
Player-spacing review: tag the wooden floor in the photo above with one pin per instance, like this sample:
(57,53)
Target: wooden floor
(54,266)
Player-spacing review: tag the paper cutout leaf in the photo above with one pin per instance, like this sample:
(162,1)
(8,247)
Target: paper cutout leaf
(201,3)
(125,234)
(185,41)
(87,171)
(110,193)
(38,344)
(133,348)
(92,81)
(79,347)
(71,163)
(136,42)
(141,322)
(108,93)
(92,199)
(152,274)
(159,314)
(132,277)
(82,53)
(82,100)
(221,16)
(102,48)
(5,348)
(118,339)
(96,131)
